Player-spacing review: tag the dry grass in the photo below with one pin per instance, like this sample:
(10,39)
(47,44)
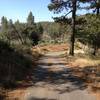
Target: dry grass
(55,47)
(83,62)
(15,94)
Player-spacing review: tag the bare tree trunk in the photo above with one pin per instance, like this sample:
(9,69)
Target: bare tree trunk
(72,38)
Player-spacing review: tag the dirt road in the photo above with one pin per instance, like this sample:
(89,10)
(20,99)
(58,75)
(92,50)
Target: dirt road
(53,80)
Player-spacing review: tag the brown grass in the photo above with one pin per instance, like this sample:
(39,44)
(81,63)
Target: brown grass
(83,62)
(55,47)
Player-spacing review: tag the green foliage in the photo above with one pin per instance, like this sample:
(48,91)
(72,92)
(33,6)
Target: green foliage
(11,32)
(93,29)
(89,31)
(20,27)
(24,33)
(4,23)
(53,31)
(58,6)
(33,31)
(14,62)
(16,39)
(30,19)
(40,29)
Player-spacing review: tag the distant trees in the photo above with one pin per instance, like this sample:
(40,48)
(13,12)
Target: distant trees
(21,31)
(4,23)
(30,19)
(54,32)
(34,31)
(9,31)
(20,27)
(4,27)
(40,28)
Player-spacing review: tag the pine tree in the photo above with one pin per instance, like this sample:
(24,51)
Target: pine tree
(96,5)
(32,29)
(70,6)
(30,19)
(4,24)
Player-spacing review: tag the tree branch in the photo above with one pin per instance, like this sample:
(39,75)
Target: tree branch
(68,13)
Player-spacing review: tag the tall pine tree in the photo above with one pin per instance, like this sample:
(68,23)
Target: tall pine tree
(70,6)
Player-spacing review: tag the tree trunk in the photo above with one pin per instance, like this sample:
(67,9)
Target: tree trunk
(98,11)
(95,50)
(97,14)
(97,8)
(72,38)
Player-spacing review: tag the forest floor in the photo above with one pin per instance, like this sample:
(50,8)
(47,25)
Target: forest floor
(57,77)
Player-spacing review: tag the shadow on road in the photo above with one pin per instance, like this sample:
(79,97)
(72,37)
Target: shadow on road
(33,98)
(79,78)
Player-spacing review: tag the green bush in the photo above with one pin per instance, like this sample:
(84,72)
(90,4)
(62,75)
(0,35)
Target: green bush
(13,64)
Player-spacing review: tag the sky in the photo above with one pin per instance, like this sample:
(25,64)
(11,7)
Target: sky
(19,10)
